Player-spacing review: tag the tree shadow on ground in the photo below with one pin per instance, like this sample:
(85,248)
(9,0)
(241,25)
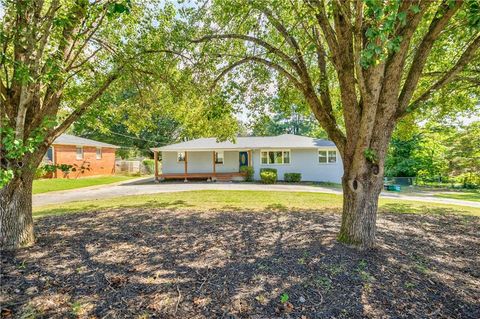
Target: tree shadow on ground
(405,208)
(165,262)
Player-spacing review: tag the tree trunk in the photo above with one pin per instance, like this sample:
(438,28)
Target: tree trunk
(360,203)
(16,221)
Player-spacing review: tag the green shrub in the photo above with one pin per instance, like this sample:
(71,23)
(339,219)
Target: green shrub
(469,180)
(268,177)
(45,169)
(248,170)
(49,168)
(149,165)
(39,173)
(266,169)
(292,177)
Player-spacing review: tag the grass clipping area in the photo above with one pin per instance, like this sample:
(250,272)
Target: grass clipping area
(248,201)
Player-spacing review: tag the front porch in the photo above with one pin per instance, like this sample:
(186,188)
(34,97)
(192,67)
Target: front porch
(213,165)
(208,176)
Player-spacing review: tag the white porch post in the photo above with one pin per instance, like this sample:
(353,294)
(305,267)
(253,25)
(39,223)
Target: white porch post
(155,159)
(186,166)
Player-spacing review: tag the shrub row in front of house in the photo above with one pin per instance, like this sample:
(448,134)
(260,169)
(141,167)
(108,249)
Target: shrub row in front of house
(292,177)
(270,176)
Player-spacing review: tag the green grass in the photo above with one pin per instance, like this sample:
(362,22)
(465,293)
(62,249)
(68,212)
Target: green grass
(248,201)
(59,184)
(470,196)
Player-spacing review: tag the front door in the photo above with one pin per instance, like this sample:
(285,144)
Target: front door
(243,159)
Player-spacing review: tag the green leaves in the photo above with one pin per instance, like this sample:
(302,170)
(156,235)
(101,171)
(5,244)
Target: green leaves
(14,149)
(119,7)
(5,177)
(473,10)
(284,297)
(382,20)
(371,155)
(415,9)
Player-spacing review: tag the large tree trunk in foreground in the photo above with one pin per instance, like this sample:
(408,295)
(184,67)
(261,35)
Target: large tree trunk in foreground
(360,203)
(16,221)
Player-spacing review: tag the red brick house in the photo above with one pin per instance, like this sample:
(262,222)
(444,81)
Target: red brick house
(88,157)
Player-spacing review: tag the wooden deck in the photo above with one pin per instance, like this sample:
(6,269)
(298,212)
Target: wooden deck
(217,176)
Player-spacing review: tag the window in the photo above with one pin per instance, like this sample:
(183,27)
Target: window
(49,155)
(327,157)
(286,157)
(99,153)
(264,157)
(275,157)
(219,157)
(180,156)
(322,156)
(79,152)
(332,156)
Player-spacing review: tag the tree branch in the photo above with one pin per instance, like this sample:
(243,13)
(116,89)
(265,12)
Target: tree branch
(84,106)
(466,57)
(327,28)
(174,52)
(290,40)
(45,33)
(270,48)
(73,67)
(322,66)
(436,26)
(263,61)
(89,37)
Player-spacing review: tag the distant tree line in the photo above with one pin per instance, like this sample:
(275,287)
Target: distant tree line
(437,153)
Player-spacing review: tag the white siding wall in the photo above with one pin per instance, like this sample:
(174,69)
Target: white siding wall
(199,162)
(230,164)
(170,164)
(305,162)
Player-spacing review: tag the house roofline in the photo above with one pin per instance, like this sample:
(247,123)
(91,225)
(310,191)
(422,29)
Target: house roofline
(161,149)
(103,146)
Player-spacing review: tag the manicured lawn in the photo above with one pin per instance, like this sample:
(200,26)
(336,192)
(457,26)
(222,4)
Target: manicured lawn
(248,201)
(470,196)
(50,185)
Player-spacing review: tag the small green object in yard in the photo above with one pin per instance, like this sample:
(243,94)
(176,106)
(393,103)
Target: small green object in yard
(284,298)
(393,188)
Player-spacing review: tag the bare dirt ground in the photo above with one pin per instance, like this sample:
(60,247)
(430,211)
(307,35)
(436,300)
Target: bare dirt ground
(166,263)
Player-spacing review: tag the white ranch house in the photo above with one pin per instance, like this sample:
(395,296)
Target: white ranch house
(316,159)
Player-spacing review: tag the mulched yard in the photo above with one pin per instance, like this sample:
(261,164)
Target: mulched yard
(166,263)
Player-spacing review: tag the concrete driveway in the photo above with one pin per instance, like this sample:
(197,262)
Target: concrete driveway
(147,186)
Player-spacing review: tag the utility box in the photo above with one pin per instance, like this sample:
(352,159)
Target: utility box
(393,188)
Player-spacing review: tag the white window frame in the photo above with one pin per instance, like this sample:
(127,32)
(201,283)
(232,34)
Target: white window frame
(327,156)
(283,150)
(217,157)
(178,157)
(77,156)
(98,153)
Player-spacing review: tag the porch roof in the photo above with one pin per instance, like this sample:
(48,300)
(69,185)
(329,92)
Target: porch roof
(254,142)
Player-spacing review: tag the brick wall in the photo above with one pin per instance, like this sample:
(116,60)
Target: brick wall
(67,154)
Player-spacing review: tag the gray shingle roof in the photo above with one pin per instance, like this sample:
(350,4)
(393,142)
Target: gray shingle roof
(254,142)
(66,139)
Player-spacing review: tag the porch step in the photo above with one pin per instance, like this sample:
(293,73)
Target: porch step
(224,178)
